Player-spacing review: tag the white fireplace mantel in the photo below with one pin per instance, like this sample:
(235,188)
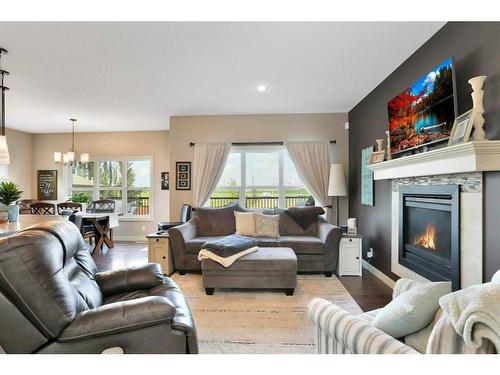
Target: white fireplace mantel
(475,156)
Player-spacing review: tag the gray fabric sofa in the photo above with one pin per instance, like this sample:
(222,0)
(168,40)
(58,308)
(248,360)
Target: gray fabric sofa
(316,247)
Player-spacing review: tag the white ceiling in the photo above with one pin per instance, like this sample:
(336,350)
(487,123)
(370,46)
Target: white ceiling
(133,76)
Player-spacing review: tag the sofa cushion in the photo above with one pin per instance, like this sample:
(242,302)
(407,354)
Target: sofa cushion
(303,244)
(266,241)
(369,315)
(289,227)
(267,225)
(412,310)
(217,221)
(245,223)
(193,246)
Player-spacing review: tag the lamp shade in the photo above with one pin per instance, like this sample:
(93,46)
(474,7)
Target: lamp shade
(84,158)
(57,157)
(4,150)
(336,184)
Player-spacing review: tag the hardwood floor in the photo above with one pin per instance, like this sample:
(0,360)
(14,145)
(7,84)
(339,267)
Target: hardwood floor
(368,291)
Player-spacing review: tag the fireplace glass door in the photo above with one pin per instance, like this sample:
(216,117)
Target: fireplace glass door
(429,232)
(428,229)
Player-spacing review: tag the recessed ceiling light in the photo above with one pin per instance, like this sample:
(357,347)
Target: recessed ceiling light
(261,88)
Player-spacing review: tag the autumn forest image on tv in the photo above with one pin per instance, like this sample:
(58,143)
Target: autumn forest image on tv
(425,111)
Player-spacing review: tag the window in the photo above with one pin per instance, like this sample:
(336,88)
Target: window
(259,177)
(127,181)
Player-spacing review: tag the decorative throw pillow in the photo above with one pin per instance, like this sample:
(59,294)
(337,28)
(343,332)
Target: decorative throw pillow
(245,223)
(412,310)
(267,225)
(305,216)
(216,221)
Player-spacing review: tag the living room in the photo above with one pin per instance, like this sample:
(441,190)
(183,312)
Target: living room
(250,188)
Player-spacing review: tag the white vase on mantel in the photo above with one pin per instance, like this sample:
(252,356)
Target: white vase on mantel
(477,102)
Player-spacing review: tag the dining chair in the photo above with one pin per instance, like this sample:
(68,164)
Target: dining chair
(102,206)
(68,206)
(24,206)
(87,230)
(43,208)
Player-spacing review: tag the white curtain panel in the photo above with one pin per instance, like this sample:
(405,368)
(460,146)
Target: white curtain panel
(312,161)
(209,162)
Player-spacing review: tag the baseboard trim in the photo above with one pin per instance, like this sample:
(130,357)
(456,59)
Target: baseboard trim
(379,274)
(130,238)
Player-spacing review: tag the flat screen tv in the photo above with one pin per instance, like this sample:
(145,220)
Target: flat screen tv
(424,113)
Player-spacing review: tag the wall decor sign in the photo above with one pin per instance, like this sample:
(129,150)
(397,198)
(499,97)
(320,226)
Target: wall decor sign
(47,185)
(183,175)
(366,177)
(165,182)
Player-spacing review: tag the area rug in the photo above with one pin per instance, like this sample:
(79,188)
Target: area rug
(259,322)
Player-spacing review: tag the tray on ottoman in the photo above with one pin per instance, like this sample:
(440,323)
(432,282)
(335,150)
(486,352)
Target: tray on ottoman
(267,268)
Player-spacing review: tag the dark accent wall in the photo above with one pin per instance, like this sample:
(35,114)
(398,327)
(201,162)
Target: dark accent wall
(475,48)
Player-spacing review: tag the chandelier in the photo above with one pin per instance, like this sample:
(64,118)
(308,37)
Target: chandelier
(68,158)
(4,149)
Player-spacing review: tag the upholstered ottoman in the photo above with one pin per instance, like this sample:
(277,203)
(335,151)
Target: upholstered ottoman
(267,268)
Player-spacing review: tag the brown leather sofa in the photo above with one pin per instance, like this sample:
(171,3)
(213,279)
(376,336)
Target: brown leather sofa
(316,247)
(52,300)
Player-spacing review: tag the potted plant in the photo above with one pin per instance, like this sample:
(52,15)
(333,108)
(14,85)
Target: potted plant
(9,195)
(83,198)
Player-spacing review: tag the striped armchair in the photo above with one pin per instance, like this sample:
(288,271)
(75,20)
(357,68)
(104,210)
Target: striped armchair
(340,332)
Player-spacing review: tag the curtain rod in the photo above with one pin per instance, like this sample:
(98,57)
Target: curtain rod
(191,144)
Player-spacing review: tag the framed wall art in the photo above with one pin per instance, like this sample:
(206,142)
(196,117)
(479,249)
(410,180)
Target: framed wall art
(165,181)
(183,175)
(47,185)
(366,177)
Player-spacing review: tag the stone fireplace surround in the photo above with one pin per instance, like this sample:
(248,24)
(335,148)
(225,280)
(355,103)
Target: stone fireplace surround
(471,214)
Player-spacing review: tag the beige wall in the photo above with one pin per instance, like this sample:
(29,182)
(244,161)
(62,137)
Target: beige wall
(252,128)
(20,168)
(147,143)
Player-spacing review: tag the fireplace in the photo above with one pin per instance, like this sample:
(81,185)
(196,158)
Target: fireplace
(429,231)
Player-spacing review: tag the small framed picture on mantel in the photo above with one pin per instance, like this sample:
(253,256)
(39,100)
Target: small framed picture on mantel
(462,128)
(377,157)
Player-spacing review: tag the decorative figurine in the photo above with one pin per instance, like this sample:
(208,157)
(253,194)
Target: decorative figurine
(389,155)
(477,100)
(380,144)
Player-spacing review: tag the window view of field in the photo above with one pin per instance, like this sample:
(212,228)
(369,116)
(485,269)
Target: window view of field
(261,183)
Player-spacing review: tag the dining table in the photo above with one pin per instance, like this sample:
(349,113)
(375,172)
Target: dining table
(103,224)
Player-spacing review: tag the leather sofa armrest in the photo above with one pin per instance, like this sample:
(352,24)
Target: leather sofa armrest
(129,279)
(119,317)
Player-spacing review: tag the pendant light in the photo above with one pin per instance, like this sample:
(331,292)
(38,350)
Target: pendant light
(68,158)
(4,149)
